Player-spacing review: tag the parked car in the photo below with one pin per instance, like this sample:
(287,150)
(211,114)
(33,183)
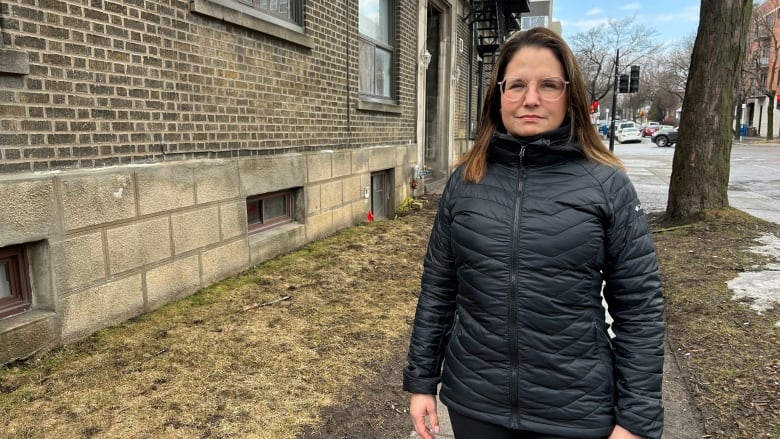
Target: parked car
(665,137)
(629,134)
(661,129)
(621,125)
(650,128)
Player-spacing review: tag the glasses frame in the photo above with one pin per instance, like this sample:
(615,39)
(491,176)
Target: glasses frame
(563,92)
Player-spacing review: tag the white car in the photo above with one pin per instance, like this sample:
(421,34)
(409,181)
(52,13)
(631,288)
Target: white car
(627,135)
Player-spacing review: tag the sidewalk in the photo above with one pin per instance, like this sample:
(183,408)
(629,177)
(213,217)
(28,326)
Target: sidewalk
(650,176)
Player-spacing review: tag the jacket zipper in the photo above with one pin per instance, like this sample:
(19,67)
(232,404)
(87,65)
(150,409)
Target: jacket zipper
(514,342)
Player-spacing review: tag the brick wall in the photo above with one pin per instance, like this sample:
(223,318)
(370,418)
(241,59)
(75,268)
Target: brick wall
(132,132)
(119,82)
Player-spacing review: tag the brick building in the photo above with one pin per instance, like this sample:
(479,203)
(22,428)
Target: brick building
(151,148)
(761,76)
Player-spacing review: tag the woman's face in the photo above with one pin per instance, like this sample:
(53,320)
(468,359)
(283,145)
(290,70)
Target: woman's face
(536,72)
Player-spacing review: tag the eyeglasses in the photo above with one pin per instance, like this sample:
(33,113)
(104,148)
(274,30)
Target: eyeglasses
(549,89)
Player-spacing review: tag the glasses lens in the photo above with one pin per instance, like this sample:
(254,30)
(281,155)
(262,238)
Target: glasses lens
(549,89)
(515,89)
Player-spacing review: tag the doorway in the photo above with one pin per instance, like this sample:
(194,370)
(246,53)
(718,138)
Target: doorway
(433,138)
(381,194)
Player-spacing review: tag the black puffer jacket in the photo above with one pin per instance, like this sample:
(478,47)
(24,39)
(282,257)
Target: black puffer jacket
(520,258)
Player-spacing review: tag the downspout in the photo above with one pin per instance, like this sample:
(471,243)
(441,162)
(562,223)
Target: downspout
(480,86)
(480,71)
(349,88)
(470,83)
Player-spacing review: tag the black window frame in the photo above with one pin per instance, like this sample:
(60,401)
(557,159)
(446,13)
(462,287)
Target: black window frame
(15,259)
(265,224)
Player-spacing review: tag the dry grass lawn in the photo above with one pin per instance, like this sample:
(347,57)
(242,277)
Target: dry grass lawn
(258,355)
(310,345)
(731,352)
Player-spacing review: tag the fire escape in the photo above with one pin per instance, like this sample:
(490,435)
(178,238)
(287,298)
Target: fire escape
(492,21)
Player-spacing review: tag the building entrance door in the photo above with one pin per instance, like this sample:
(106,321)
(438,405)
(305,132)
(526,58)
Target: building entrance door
(433,138)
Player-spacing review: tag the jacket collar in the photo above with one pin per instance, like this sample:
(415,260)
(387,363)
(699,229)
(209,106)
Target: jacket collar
(545,148)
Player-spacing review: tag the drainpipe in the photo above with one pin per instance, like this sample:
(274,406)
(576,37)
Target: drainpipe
(470,83)
(346,64)
(480,74)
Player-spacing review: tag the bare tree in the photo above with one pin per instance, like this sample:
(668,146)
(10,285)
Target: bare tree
(700,169)
(665,81)
(679,61)
(596,48)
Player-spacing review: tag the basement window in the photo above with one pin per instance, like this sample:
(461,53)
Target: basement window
(269,210)
(15,297)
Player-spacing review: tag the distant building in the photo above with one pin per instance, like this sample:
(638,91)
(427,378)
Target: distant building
(540,14)
(762,71)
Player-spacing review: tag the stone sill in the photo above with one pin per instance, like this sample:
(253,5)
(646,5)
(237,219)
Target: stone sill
(21,320)
(380,107)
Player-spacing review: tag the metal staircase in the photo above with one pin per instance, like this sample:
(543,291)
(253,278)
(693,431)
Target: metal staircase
(492,22)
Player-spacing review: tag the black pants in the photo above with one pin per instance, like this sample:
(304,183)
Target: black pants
(468,428)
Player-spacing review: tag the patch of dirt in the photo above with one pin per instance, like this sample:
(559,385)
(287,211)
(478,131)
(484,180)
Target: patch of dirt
(377,409)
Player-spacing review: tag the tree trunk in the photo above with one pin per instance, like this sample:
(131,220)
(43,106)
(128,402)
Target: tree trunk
(700,168)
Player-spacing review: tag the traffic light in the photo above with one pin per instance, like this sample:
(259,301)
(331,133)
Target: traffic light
(633,83)
(623,84)
(594,107)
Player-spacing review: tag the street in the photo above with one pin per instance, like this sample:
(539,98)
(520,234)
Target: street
(754,184)
(756,168)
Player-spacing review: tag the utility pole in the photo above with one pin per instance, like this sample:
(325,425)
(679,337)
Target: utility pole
(614,102)
(623,84)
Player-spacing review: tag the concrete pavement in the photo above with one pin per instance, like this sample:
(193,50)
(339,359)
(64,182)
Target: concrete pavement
(650,171)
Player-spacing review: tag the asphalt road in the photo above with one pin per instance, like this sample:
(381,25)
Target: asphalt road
(756,168)
(754,184)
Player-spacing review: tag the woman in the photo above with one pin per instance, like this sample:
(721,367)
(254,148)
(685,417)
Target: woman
(536,217)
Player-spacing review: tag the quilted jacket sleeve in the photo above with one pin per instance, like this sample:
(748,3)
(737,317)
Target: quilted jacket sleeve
(634,296)
(436,306)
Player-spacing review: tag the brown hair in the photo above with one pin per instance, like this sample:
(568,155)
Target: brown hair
(475,160)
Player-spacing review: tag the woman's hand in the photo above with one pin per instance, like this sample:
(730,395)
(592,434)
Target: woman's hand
(421,406)
(621,433)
